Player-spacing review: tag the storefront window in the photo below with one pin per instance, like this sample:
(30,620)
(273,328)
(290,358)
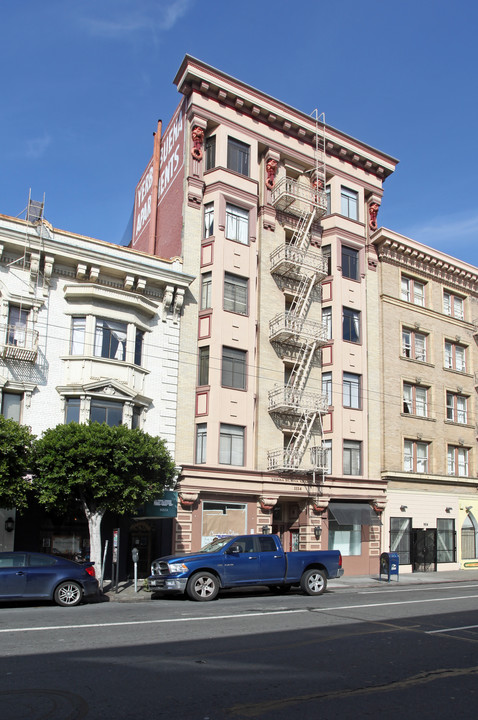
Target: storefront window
(400,533)
(220,519)
(346,538)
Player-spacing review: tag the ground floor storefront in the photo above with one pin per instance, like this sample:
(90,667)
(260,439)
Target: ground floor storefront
(305,515)
(431,528)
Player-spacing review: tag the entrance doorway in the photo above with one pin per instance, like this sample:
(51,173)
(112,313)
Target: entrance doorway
(285,524)
(141,535)
(424,549)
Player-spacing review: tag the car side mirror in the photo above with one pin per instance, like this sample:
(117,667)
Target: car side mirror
(234,550)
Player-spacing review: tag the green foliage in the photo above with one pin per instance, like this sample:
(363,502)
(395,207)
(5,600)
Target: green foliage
(15,458)
(106,468)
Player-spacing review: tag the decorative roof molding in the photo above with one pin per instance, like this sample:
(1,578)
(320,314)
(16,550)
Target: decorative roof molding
(399,250)
(195,76)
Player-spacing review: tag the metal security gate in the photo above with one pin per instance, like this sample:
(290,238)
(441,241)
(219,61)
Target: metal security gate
(424,550)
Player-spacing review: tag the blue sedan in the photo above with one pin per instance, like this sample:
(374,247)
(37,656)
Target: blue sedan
(38,576)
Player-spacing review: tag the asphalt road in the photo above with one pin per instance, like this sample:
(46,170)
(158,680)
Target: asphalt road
(352,653)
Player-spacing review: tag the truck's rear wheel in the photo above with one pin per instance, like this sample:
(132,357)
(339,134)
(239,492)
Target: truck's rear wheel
(202,586)
(313,582)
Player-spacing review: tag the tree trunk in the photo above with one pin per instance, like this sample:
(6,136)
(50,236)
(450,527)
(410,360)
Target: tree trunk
(94,518)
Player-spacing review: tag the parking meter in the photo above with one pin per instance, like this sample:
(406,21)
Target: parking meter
(135,556)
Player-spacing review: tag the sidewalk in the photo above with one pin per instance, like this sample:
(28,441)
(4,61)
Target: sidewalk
(126,590)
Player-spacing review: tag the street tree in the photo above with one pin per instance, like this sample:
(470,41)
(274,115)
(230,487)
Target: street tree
(15,457)
(114,469)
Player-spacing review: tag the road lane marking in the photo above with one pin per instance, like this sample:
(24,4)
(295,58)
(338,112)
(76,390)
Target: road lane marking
(463,627)
(149,622)
(234,616)
(414,589)
(398,602)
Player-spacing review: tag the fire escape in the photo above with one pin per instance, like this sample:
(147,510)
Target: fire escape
(301,268)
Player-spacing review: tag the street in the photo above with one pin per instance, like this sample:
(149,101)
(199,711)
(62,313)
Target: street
(351,653)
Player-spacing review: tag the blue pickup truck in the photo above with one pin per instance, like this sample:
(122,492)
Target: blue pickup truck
(240,560)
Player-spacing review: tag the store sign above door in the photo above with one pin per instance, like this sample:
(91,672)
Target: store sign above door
(164,507)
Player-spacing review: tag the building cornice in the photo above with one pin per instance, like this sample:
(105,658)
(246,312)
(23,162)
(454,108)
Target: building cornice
(194,76)
(417,258)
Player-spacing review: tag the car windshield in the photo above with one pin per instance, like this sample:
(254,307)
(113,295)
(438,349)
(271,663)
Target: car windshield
(216,545)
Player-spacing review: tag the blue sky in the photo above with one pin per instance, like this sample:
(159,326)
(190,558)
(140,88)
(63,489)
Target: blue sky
(84,83)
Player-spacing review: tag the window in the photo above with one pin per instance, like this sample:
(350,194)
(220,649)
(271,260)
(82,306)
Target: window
(349,203)
(237,224)
(231,445)
(346,538)
(351,390)
(455,357)
(234,368)
(110,339)
(400,536)
(203,370)
(105,411)
(206,288)
(327,444)
(72,410)
(11,405)
(327,322)
(210,152)
(453,305)
(415,401)
(17,326)
(201,442)
(235,293)
(138,347)
(351,325)
(446,545)
(222,519)
(208,220)
(327,255)
(457,461)
(327,386)
(456,408)
(352,457)
(136,417)
(413,291)
(266,544)
(327,195)
(78,329)
(350,265)
(415,457)
(238,156)
(414,345)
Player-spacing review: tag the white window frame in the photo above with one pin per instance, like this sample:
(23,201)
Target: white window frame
(458,461)
(208,220)
(201,443)
(416,345)
(349,203)
(352,457)
(453,305)
(413,291)
(352,390)
(327,321)
(415,456)
(415,398)
(237,224)
(206,291)
(455,356)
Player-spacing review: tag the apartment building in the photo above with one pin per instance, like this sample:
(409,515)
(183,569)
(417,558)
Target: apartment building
(422,405)
(88,330)
(271,210)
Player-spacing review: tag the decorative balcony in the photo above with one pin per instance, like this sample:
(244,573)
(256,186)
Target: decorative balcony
(288,401)
(287,327)
(297,196)
(17,342)
(289,260)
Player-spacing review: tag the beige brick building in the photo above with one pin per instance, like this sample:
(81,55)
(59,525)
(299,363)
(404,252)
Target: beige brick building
(422,404)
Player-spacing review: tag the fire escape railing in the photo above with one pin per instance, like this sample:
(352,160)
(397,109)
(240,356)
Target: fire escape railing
(307,268)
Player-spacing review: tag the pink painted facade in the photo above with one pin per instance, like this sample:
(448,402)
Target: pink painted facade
(272,213)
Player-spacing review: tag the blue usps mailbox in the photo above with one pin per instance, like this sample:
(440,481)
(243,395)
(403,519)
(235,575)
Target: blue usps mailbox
(389,564)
